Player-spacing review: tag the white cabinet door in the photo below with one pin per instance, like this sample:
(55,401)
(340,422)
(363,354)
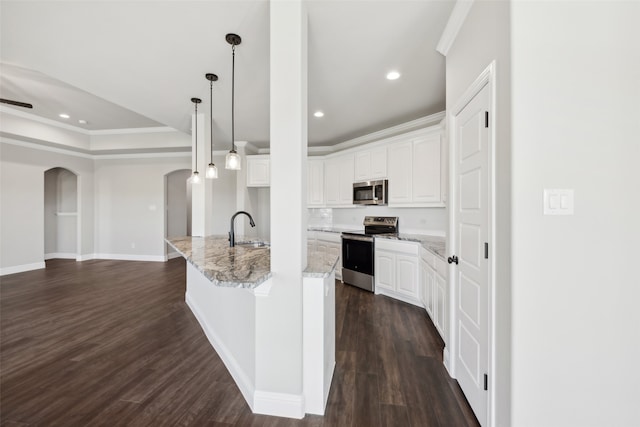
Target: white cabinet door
(426,169)
(429,292)
(379,163)
(315,183)
(400,173)
(258,171)
(346,179)
(407,275)
(332,182)
(338,181)
(385,270)
(362,166)
(370,164)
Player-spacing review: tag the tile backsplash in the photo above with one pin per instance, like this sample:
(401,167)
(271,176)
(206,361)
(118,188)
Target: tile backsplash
(320,217)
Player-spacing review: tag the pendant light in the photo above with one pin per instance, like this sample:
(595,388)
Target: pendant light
(212,170)
(195,178)
(233,160)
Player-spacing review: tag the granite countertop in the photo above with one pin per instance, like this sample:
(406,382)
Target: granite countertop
(241,266)
(434,244)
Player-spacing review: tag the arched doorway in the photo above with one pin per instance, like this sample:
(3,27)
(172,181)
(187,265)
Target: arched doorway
(60,214)
(177,218)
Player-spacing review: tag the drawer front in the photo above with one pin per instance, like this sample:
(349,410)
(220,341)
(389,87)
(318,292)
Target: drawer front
(409,248)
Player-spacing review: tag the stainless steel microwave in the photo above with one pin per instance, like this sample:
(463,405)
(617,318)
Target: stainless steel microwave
(371,192)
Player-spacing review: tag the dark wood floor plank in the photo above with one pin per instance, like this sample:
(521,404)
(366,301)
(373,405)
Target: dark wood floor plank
(113,343)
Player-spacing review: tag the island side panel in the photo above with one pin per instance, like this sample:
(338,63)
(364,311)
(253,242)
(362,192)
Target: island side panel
(319,348)
(227,317)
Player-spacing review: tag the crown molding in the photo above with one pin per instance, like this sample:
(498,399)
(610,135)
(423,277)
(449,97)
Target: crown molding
(454,24)
(420,123)
(155,129)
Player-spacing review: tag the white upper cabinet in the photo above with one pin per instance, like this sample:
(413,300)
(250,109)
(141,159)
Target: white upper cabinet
(426,169)
(370,164)
(258,171)
(338,181)
(315,183)
(415,172)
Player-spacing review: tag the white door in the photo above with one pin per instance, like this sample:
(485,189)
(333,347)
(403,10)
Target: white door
(471,224)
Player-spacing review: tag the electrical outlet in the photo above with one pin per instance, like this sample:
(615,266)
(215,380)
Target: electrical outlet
(133,245)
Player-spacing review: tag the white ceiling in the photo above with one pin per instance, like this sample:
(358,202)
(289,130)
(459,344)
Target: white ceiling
(129,64)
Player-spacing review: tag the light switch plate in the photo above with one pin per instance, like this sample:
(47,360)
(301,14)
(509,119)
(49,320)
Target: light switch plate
(558,201)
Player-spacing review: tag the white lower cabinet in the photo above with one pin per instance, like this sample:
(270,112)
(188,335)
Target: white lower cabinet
(433,290)
(397,270)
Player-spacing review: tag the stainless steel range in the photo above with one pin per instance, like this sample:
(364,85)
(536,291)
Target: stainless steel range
(358,251)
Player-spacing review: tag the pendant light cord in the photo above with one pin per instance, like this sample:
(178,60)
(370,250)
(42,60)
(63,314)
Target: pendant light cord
(211,121)
(196,131)
(233,96)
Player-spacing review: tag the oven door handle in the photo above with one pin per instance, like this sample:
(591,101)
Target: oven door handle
(358,238)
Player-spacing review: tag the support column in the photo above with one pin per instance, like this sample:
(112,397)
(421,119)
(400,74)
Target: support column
(279,316)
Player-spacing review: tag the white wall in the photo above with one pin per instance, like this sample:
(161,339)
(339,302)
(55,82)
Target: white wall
(130,204)
(576,124)
(484,38)
(22,203)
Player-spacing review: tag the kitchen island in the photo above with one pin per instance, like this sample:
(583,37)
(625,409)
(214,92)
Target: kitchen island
(228,289)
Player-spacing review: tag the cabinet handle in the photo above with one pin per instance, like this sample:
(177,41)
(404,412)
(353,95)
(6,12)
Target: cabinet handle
(452,260)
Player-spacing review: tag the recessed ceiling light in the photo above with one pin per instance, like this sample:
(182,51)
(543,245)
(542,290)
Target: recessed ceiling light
(82,121)
(64,115)
(318,114)
(393,75)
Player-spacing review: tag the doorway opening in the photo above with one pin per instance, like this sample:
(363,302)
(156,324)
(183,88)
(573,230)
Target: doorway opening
(177,217)
(61,214)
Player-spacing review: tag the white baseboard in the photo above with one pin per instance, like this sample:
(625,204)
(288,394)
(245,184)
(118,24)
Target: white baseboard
(60,255)
(278,404)
(85,257)
(128,257)
(243,382)
(445,361)
(21,268)
(172,255)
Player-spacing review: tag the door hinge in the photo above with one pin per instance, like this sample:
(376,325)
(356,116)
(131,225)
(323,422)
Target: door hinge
(486,119)
(486,382)
(486,250)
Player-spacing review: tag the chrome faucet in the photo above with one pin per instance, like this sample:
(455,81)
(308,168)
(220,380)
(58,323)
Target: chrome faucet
(232,234)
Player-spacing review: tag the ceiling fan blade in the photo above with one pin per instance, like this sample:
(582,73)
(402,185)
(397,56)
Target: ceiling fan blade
(16,103)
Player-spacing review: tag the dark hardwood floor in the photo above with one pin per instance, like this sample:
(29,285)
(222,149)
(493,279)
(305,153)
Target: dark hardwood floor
(112,343)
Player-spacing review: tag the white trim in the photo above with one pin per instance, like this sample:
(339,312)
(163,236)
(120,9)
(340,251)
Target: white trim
(142,155)
(70,152)
(487,77)
(172,255)
(128,257)
(279,404)
(85,257)
(243,382)
(155,129)
(446,360)
(61,255)
(454,24)
(21,268)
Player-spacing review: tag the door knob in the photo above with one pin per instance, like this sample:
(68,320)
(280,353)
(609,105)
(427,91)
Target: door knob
(452,260)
